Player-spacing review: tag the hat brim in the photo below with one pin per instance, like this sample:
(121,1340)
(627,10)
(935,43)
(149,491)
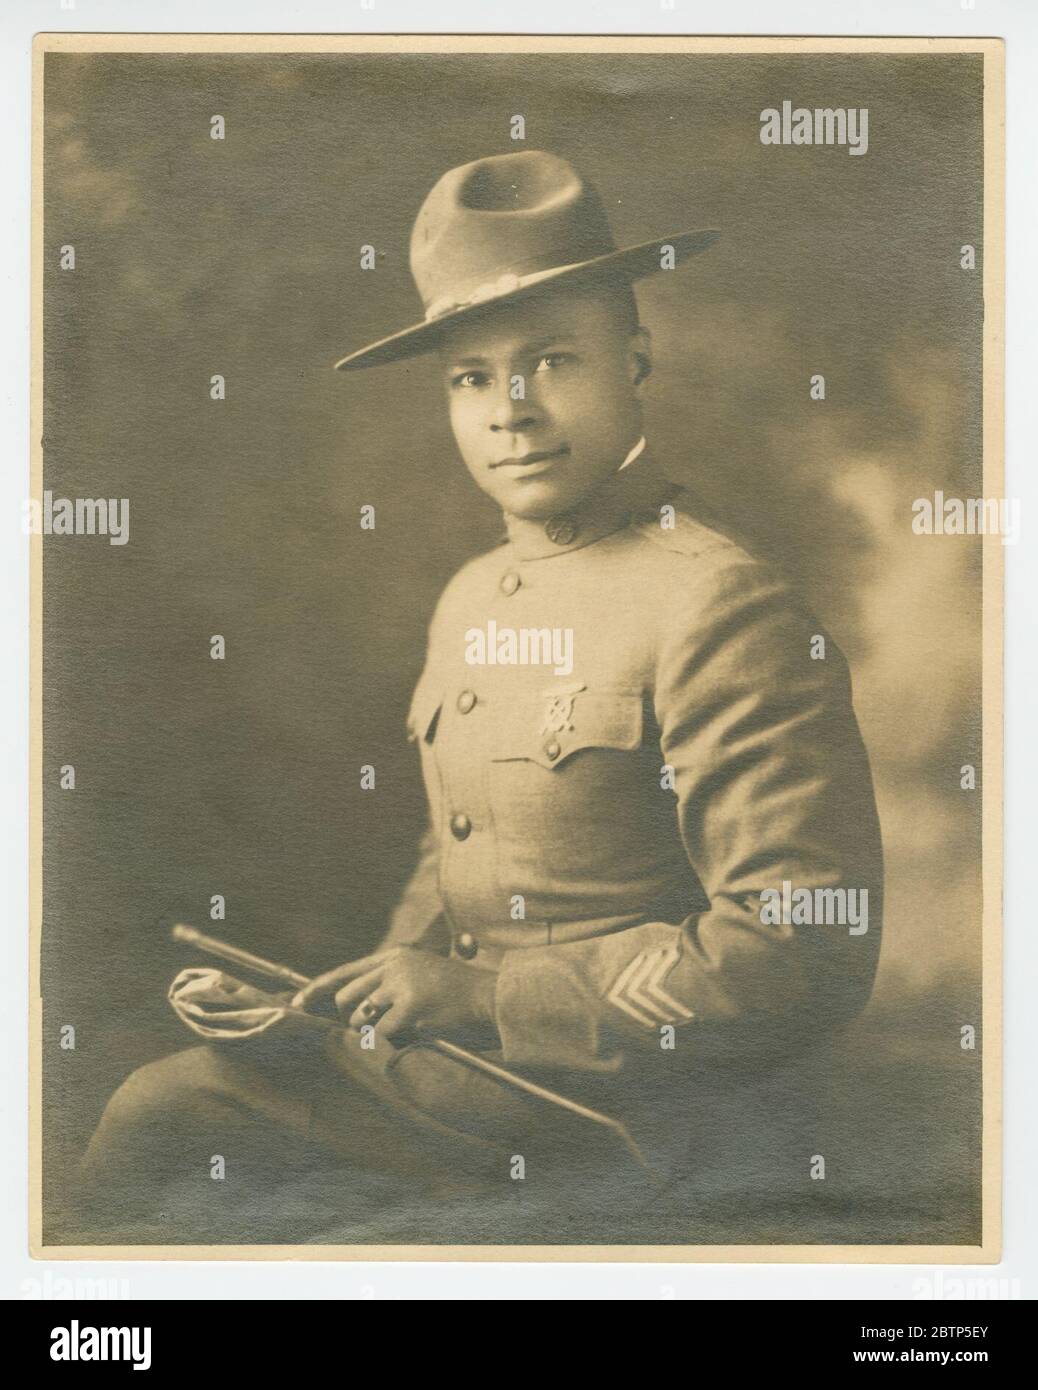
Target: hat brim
(634,262)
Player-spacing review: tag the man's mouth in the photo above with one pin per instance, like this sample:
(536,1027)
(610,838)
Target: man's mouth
(536,461)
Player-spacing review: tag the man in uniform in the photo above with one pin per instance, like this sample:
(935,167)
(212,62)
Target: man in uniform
(635,742)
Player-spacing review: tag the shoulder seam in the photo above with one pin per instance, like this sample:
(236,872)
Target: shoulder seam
(692,547)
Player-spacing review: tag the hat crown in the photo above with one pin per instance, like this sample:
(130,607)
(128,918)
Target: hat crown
(507,215)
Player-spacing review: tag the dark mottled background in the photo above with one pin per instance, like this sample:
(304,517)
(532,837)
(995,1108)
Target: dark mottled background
(240,257)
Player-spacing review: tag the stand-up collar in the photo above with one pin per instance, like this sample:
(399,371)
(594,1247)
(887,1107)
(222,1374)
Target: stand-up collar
(638,487)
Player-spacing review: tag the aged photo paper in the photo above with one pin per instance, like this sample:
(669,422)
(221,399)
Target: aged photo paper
(517,533)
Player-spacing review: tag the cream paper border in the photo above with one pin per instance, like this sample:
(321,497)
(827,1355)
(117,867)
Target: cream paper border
(993,52)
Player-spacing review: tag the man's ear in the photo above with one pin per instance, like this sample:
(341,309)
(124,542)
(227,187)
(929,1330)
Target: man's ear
(639,355)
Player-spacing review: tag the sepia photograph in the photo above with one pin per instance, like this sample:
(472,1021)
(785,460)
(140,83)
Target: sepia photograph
(517,534)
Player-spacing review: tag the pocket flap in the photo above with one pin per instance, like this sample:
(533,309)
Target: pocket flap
(424,712)
(548,730)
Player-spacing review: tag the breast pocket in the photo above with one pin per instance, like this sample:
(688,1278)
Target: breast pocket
(571,791)
(424,713)
(423,720)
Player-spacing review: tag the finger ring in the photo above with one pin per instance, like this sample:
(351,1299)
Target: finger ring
(368,1008)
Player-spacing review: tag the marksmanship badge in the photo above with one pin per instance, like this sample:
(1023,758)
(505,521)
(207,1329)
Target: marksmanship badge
(558,718)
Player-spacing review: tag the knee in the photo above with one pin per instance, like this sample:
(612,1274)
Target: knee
(143,1130)
(175,1085)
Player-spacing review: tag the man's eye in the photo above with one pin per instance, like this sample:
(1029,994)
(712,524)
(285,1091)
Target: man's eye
(469,379)
(552,361)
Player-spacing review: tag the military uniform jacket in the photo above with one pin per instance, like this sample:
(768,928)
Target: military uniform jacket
(601,835)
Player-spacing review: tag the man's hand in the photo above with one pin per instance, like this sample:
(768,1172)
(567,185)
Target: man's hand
(404,990)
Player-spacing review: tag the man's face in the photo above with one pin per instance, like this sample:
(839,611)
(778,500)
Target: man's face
(579,412)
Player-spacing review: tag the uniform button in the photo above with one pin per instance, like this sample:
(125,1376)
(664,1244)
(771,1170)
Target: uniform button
(461,826)
(467,701)
(466,945)
(561,530)
(510,581)
(552,749)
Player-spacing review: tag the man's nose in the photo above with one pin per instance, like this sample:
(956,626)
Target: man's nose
(513,415)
